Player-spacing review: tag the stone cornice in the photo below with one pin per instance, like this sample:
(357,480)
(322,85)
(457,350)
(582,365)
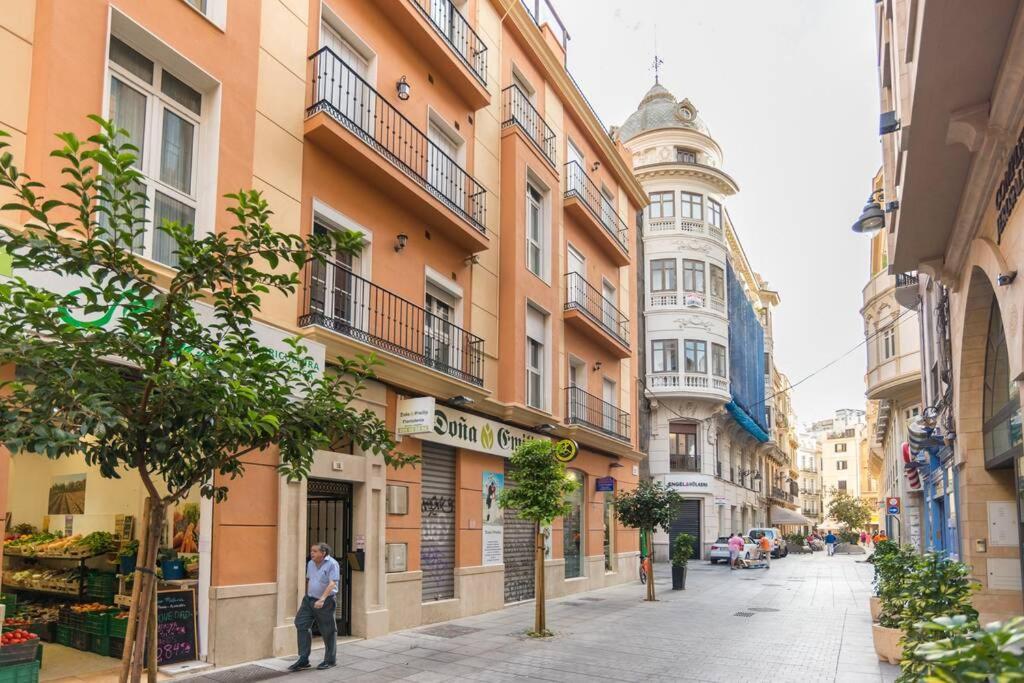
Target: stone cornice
(516,15)
(722,181)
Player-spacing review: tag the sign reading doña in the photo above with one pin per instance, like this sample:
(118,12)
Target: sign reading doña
(463,430)
(415,416)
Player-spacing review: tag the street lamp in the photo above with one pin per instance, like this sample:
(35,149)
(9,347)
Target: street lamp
(872,218)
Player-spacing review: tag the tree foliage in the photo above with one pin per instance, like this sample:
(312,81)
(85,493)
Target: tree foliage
(542,483)
(960,651)
(854,512)
(648,507)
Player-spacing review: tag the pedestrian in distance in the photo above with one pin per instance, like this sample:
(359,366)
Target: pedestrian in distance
(735,550)
(318,605)
(830,543)
(766,551)
(864,538)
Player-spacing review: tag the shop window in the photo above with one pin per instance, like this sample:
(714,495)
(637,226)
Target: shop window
(683,456)
(1001,412)
(662,205)
(663,275)
(572,528)
(609,531)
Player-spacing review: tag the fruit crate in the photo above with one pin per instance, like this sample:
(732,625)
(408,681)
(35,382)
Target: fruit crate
(27,672)
(101,645)
(21,652)
(46,630)
(80,640)
(118,627)
(10,602)
(97,623)
(64,634)
(101,586)
(116,647)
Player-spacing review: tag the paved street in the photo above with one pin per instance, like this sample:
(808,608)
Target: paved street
(804,620)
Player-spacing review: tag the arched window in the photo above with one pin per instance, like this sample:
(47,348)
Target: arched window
(1001,409)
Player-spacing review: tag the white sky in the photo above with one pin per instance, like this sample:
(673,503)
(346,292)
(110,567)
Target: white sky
(788,89)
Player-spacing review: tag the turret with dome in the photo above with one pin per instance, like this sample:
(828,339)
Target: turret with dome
(659,109)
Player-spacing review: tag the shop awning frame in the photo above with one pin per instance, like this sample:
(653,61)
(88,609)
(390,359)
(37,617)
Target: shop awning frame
(782,516)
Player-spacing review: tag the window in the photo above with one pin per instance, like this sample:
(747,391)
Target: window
(661,206)
(162,116)
(840,464)
(695,356)
(719,362)
(717,282)
(685,156)
(682,444)
(842,485)
(536,361)
(768,416)
(1001,414)
(663,275)
(714,213)
(691,206)
(888,342)
(534,230)
(840,448)
(693,276)
(665,355)
(440,345)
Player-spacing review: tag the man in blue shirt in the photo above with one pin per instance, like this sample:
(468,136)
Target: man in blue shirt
(318,604)
(830,543)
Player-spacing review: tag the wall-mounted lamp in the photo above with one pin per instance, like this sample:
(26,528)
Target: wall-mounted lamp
(545,428)
(597,365)
(872,218)
(459,401)
(596,165)
(400,241)
(1004,279)
(403,88)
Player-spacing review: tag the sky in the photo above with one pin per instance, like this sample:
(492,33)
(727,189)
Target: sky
(789,90)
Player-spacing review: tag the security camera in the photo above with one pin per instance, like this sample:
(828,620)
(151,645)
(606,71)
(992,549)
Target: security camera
(1006,278)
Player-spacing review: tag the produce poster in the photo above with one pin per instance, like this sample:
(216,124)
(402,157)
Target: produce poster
(494,518)
(185,528)
(67,495)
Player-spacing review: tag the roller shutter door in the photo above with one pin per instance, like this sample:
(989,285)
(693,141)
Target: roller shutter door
(437,546)
(686,521)
(518,542)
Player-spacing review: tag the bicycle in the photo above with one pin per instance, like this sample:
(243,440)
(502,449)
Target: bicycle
(645,565)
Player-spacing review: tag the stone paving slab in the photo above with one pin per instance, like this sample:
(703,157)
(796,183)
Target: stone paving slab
(808,622)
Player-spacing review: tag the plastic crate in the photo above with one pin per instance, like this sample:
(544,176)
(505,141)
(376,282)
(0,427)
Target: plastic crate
(116,647)
(100,580)
(27,672)
(100,645)
(97,623)
(118,627)
(10,602)
(64,634)
(71,619)
(80,640)
(22,652)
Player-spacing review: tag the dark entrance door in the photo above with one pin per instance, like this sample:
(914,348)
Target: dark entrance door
(686,521)
(519,547)
(329,520)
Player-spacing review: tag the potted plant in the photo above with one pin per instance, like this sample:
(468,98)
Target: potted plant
(884,559)
(127,556)
(893,573)
(682,551)
(962,652)
(938,587)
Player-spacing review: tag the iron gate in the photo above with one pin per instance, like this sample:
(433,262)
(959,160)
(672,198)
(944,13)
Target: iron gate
(329,520)
(437,546)
(519,550)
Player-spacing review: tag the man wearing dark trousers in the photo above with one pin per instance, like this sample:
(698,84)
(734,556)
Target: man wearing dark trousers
(318,604)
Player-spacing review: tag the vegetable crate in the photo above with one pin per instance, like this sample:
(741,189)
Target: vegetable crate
(10,602)
(118,627)
(101,645)
(27,672)
(72,637)
(101,586)
(116,647)
(21,652)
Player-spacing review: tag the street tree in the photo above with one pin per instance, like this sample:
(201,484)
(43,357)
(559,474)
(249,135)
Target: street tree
(539,496)
(159,371)
(852,511)
(647,507)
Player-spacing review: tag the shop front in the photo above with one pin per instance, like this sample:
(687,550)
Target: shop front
(696,514)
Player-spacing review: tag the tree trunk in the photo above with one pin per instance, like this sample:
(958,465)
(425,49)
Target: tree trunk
(143,593)
(650,568)
(539,625)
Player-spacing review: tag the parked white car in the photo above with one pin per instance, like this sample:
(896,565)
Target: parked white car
(720,550)
(775,535)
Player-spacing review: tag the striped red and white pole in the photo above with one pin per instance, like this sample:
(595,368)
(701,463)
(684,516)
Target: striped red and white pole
(913,478)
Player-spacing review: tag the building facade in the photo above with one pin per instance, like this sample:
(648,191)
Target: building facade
(497,214)
(809,466)
(841,440)
(703,310)
(951,156)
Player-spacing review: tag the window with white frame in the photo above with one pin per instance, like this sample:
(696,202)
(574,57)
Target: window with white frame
(693,276)
(691,205)
(664,355)
(162,116)
(695,356)
(663,275)
(535,248)
(888,342)
(717,282)
(714,213)
(719,361)
(662,205)
(685,156)
(536,359)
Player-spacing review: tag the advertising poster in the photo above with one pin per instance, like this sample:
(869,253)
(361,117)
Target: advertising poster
(493,518)
(67,495)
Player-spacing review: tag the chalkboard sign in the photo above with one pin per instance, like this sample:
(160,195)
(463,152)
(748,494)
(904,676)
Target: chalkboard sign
(176,626)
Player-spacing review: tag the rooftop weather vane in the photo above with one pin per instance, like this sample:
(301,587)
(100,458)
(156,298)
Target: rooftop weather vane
(658,61)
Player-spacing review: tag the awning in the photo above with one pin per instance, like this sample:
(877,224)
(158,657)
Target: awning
(781,515)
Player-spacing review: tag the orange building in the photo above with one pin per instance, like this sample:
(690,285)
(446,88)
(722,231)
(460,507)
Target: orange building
(495,282)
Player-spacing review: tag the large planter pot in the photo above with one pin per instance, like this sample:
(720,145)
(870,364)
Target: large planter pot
(887,643)
(678,578)
(876,607)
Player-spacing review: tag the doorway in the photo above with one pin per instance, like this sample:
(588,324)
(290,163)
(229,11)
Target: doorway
(329,520)
(687,521)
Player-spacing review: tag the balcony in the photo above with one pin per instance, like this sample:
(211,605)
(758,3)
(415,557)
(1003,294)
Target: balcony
(690,300)
(689,383)
(683,226)
(590,206)
(684,462)
(907,294)
(354,122)
(591,412)
(782,495)
(595,316)
(337,300)
(518,111)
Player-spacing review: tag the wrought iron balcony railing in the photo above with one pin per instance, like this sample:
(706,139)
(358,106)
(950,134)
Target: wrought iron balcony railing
(337,299)
(448,21)
(340,92)
(683,462)
(516,109)
(578,184)
(906,279)
(582,296)
(589,410)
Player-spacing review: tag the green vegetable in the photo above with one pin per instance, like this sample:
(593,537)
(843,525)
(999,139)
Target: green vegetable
(98,542)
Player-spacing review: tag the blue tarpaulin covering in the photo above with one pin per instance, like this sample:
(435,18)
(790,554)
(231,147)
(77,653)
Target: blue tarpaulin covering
(746,359)
(746,422)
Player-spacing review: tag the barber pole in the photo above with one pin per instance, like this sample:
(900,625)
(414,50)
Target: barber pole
(913,478)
